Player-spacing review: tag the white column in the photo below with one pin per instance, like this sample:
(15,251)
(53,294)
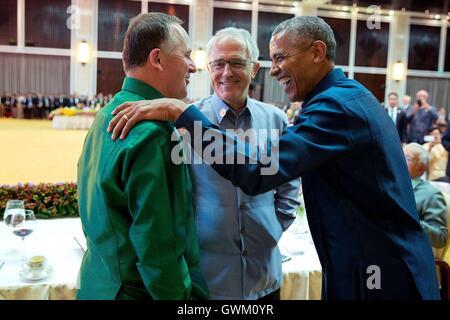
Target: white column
(305,10)
(397,51)
(83,24)
(21,23)
(352,50)
(254,28)
(442,44)
(144,6)
(200,32)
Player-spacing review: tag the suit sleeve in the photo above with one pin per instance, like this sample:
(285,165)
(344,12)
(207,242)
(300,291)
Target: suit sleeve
(286,198)
(319,135)
(199,286)
(161,263)
(434,220)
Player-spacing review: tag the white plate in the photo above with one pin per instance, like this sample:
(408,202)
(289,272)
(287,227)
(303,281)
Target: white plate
(26,276)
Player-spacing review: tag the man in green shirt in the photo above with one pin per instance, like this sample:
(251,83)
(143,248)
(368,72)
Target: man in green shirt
(135,203)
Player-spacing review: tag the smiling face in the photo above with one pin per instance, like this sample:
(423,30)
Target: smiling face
(178,64)
(231,82)
(293,65)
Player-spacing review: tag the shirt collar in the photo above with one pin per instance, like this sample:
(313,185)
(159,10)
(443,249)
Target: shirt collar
(141,88)
(415,182)
(144,90)
(330,80)
(221,108)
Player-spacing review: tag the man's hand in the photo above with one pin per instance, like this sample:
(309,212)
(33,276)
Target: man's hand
(130,113)
(425,105)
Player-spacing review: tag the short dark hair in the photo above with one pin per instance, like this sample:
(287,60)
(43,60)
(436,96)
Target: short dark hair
(393,94)
(145,32)
(310,27)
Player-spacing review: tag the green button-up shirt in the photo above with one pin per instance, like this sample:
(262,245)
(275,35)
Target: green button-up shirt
(136,210)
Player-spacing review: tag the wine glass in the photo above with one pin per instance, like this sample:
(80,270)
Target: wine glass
(24,226)
(14,212)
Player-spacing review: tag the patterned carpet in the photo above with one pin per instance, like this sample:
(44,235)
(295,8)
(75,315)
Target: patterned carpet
(31,151)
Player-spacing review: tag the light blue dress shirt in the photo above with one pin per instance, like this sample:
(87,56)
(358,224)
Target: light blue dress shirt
(239,233)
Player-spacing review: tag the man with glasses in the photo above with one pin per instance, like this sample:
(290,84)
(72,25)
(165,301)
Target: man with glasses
(238,233)
(358,194)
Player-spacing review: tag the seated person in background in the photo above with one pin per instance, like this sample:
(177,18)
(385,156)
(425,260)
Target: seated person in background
(438,156)
(442,124)
(430,202)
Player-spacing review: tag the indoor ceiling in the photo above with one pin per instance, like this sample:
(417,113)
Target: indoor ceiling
(428,6)
(433,6)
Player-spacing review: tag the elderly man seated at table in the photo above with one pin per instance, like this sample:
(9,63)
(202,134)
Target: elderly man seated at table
(430,202)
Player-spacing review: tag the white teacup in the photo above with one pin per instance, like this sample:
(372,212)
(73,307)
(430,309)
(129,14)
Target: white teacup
(35,265)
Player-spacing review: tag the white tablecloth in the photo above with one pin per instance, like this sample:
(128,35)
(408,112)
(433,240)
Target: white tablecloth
(72,122)
(55,239)
(302,275)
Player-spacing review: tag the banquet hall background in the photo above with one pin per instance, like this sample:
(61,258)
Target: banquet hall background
(42,42)
(60,63)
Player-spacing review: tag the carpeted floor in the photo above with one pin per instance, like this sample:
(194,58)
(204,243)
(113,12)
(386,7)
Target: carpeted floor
(31,151)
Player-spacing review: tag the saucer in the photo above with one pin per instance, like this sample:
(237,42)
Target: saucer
(27,276)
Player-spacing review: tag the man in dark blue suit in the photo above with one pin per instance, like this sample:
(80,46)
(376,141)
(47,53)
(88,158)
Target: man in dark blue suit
(357,190)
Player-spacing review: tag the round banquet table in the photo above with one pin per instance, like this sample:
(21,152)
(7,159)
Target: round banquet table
(62,240)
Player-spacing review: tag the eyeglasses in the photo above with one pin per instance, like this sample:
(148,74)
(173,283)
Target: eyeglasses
(235,64)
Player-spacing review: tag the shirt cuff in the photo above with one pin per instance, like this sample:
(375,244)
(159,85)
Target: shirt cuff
(187,118)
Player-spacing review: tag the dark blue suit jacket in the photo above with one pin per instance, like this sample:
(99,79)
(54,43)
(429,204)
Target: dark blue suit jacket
(357,190)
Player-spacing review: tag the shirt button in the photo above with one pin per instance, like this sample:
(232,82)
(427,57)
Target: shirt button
(242,230)
(244,253)
(242,206)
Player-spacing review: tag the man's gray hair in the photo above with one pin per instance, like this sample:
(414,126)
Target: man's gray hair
(240,35)
(420,150)
(308,27)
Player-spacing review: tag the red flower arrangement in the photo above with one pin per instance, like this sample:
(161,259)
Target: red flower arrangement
(47,200)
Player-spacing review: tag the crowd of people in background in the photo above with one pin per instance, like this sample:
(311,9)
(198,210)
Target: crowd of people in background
(38,105)
(425,136)
(418,121)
